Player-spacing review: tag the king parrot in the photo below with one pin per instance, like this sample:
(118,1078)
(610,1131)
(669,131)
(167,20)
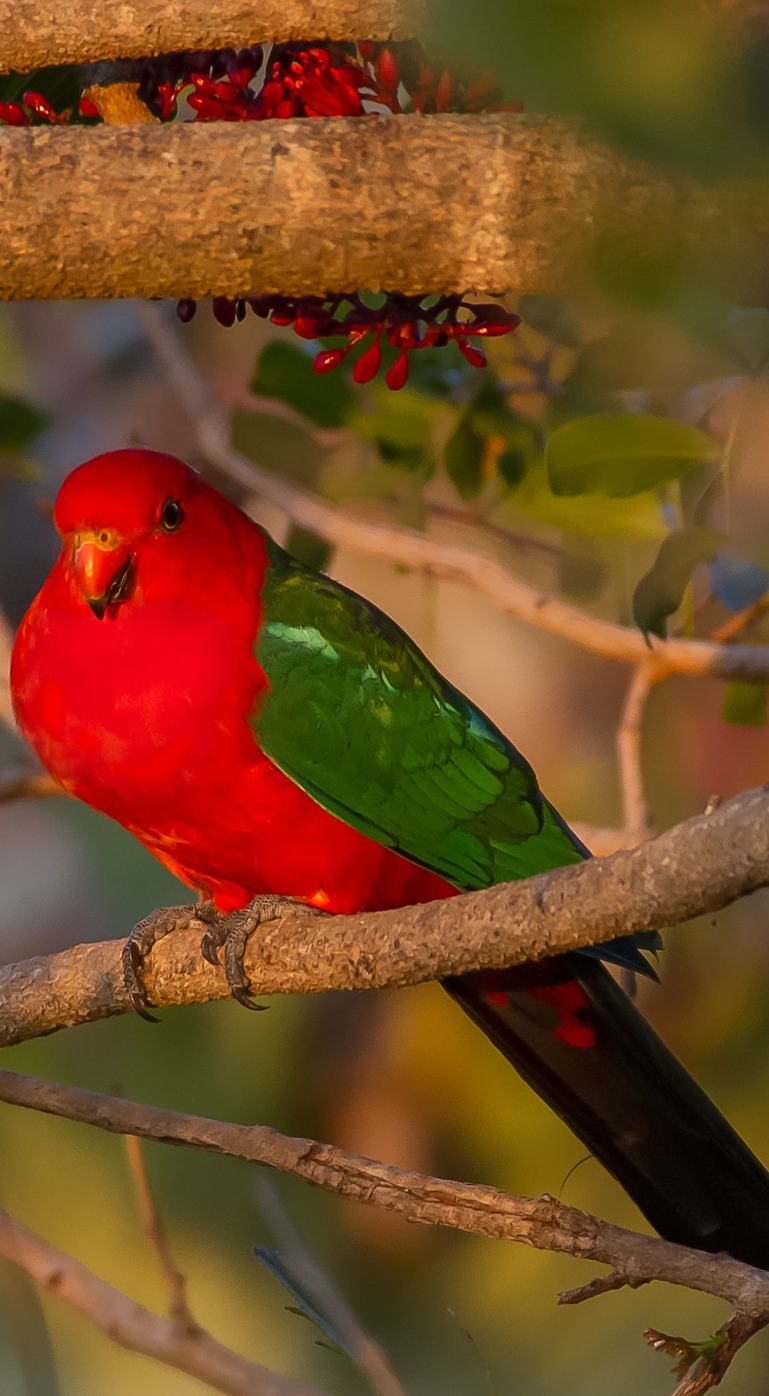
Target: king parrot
(266,732)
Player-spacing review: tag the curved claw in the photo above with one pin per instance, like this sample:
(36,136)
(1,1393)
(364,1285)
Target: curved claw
(139,1004)
(243,996)
(209,949)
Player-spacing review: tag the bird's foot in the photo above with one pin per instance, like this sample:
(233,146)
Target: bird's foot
(144,935)
(230,932)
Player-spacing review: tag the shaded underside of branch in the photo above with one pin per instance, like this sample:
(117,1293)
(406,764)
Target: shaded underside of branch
(502,202)
(543,1222)
(33,35)
(693,868)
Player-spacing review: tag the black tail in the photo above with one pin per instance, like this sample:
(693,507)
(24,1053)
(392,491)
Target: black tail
(578,1040)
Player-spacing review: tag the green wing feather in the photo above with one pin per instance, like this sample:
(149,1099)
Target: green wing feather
(357,716)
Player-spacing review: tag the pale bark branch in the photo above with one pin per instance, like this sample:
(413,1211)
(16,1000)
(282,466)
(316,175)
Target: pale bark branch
(498,202)
(635,813)
(6,644)
(34,35)
(543,1222)
(133,1326)
(28,785)
(408,548)
(693,868)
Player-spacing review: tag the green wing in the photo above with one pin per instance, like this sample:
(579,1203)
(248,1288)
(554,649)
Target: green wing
(358,717)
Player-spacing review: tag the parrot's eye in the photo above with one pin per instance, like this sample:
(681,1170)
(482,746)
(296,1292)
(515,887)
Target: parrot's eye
(171,515)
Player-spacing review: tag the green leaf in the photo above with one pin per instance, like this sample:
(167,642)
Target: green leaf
(660,591)
(61,85)
(286,373)
(307,1305)
(623,454)
(20,421)
(637,518)
(283,447)
(745,704)
(309,548)
(512,467)
(400,426)
(463,457)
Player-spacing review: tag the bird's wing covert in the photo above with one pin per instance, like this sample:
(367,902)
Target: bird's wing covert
(357,716)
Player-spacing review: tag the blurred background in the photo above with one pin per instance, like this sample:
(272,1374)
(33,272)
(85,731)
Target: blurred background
(402,1076)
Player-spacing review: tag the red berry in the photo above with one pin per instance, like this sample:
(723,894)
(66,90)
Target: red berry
(367,366)
(398,373)
(476,357)
(329,358)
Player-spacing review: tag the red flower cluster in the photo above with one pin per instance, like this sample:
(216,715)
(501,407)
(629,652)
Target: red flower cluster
(406,323)
(34,105)
(298,80)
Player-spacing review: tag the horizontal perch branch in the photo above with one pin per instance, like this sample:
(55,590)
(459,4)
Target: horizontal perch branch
(417,204)
(693,868)
(541,1222)
(33,35)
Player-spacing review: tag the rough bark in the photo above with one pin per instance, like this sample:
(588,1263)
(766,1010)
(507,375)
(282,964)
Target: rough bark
(693,868)
(542,1222)
(33,35)
(494,203)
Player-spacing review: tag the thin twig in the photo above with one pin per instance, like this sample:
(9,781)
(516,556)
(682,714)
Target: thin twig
(485,574)
(739,623)
(177,1288)
(635,813)
(133,1326)
(543,1222)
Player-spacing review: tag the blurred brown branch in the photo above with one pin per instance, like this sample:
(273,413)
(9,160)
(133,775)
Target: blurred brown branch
(408,548)
(497,202)
(543,1222)
(34,35)
(693,868)
(28,785)
(133,1326)
(175,1282)
(6,642)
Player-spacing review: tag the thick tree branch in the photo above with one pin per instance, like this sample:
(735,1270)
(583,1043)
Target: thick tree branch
(132,1326)
(543,1222)
(34,35)
(696,867)
(498,202)
(409,548)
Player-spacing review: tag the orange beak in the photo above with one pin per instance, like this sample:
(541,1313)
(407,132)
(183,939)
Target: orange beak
(104,574)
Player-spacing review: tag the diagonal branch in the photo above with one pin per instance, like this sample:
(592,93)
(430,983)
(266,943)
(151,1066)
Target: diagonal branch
(693,868)
(543,1222)
(133,1326)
